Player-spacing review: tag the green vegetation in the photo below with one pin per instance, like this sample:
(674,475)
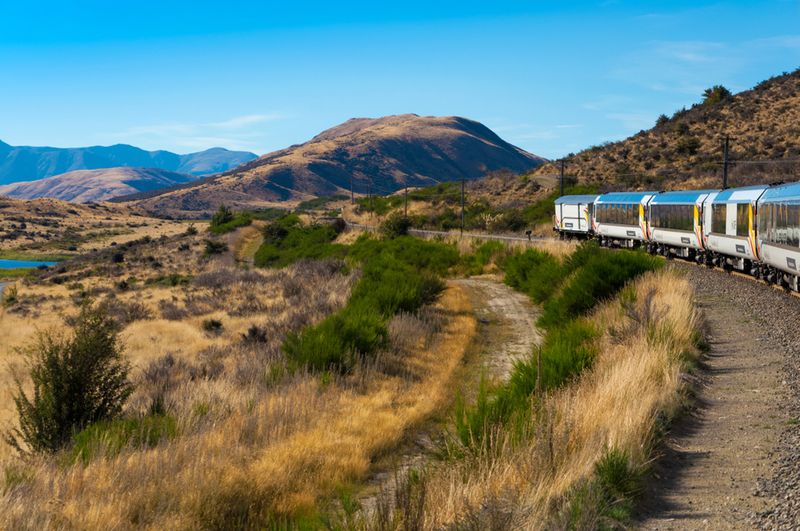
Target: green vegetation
(319,202)
(287,240)
(395,225)
(567,291)
(213,247)
(398,275)
(77,381)
(108,438)
(716,94)
(17,272)
(606,499)
(478,215)
(225,220)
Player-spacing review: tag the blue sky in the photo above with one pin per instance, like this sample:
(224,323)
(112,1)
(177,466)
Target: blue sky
(551,77)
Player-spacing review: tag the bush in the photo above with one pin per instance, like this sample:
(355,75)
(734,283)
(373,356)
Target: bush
(287,241)
(661,120)
(398,275)
(77,381)
(716,94)
(215,247)
(212,326)
(395,225)
(601,275)
(535,273)
(222,216)
(191,230)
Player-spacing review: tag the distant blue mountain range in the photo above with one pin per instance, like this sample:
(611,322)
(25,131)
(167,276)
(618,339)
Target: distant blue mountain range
(25,163)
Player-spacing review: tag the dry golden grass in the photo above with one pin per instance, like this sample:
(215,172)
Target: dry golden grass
(635,380)
(53,227)
(247,242)
(253,440)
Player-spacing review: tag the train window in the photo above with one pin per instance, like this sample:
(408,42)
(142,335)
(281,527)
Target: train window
(677,217)
(718,221)
(742,219)
(780,223)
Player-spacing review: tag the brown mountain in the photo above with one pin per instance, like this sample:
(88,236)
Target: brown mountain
(379,155)
(685,150)
(88,186)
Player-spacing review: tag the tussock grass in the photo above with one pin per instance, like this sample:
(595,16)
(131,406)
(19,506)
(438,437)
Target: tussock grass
(574,462)
(223,429)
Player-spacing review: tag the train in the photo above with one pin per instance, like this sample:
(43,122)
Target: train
(753,229)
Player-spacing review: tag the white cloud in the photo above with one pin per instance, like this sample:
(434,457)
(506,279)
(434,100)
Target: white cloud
(239,132)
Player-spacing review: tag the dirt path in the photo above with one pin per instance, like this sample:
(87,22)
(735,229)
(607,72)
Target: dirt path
(506,332)
(708,477)
(507,323)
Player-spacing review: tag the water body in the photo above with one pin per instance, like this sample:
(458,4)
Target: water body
(21,264)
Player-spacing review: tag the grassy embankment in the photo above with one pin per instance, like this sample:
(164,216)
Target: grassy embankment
(565,442)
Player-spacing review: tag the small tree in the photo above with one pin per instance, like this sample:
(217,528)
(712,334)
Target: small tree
(716,94)
(77,380)
(222,216)
(661,120)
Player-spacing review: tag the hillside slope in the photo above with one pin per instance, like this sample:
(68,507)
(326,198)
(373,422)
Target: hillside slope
(26,163)
(87,186)
(380,155)
(686,150)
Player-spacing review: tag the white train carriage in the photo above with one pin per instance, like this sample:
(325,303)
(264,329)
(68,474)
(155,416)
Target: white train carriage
(675,223)
(620,218)
(729,227)
(573,217)
(778,235)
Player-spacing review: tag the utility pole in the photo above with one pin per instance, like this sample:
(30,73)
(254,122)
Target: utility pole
(562,177)
(462,206)
(725,163)
(352,195)
(405,214)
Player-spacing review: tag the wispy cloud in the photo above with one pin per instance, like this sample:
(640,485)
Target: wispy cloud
(239,132)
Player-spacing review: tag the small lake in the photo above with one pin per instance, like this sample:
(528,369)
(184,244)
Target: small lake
(17,264)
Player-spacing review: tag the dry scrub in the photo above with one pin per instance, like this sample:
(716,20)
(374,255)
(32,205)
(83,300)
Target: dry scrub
(253,441)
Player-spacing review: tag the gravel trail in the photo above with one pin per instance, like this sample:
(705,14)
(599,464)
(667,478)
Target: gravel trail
(508,323)
(732,462)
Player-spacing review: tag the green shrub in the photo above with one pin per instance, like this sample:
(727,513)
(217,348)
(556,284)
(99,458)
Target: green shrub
(398,275)
(395,225)
(77,381)
(242,219)
(215,247)
(603,274)
(285,242)
(606,500)
(108,438)
(222,216)
(716,94)
(535,273)
(338,341)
